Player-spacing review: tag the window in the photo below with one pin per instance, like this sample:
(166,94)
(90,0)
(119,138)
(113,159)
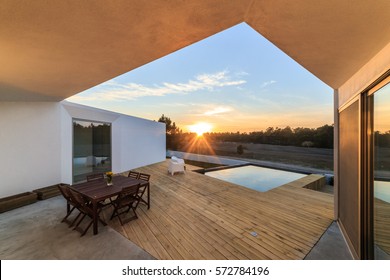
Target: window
(91,148)
(381,170)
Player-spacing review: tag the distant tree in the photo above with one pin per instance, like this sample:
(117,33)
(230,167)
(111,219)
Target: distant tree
(240,149)
(170,126)
(323,136)
(307,144)
(302,134)
(382,139)
(172,132)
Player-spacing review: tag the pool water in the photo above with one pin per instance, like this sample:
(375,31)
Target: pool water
(382,190)
(254,177)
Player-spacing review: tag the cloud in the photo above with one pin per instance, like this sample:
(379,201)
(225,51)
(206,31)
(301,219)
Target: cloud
(267,83)
(218,111)
(242,73)
(113,90)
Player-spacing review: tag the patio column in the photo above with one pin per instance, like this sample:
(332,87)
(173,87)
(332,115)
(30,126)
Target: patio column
(336,152)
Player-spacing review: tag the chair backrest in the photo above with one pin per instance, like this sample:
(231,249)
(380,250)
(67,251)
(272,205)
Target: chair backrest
(177,160)
(144,177)
(133,174)
(129,193)
(77,197)
(130,190)
(80,201)
(64,191)
(97,176)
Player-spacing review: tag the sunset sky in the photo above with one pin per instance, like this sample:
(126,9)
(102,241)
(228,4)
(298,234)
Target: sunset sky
(235,80)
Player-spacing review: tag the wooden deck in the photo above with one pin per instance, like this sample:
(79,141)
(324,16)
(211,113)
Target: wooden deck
(382,225)
(193,216)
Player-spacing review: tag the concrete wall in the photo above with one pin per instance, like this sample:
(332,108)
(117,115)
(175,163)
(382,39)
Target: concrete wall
(348,193)
(348,166)
(138,142)
(36,141)
(30,155)
(206,158)
(371,71)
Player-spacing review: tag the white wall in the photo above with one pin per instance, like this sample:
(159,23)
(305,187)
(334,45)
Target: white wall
(68,112)
(206,158)
(30,157)
(135,142)
(36,143)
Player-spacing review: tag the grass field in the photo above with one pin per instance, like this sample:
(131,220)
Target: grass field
(307,157)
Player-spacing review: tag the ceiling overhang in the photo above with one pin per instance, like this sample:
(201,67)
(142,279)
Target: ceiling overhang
(51,50)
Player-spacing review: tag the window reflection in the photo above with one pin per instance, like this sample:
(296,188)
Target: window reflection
(91,148)
(382,172)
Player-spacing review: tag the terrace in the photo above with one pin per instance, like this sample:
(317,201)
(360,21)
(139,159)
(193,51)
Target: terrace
(55,49)
(192,217)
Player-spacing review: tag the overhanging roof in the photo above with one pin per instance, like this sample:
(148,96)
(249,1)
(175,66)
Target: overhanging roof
(50,50)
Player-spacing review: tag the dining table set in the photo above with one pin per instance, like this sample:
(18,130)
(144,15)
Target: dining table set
(95,193)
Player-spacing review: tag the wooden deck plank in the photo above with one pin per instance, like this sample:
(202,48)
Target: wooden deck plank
(194,216)
(175,248)
(382,224)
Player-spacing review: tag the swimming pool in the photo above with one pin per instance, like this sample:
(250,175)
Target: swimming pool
(255,177)
(382,190)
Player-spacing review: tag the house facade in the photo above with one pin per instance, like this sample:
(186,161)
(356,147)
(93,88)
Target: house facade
(39,144)
(361,170)
(53,50)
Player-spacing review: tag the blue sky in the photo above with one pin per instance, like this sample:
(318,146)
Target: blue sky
(235,80)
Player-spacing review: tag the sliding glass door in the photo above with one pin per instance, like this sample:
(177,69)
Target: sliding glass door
(381,170)
(91,148)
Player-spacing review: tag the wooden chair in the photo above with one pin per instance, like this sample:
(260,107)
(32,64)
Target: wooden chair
(65,191)
(85,209)
(143,187)
(144,177)
(96,176)
(127,198)
(133,174)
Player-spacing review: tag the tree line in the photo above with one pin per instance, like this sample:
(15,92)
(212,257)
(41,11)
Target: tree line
(321,137)
(382,139)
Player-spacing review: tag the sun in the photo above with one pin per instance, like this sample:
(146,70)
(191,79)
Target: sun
(200,128)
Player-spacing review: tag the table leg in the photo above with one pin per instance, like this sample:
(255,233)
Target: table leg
(95,218)
(148,195)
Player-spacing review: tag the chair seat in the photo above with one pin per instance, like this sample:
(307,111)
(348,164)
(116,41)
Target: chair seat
(70,205)
(127,200)
(124,201)
(85,208)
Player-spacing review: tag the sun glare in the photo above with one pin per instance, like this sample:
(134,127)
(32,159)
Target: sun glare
(200,128)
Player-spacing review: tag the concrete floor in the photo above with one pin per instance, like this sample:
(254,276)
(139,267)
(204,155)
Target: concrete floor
(35,232)
(331,246)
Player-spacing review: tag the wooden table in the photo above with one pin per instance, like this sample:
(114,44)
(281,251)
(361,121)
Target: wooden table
(97,191)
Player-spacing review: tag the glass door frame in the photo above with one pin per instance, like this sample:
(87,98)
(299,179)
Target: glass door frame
(92,121)
(367,174)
